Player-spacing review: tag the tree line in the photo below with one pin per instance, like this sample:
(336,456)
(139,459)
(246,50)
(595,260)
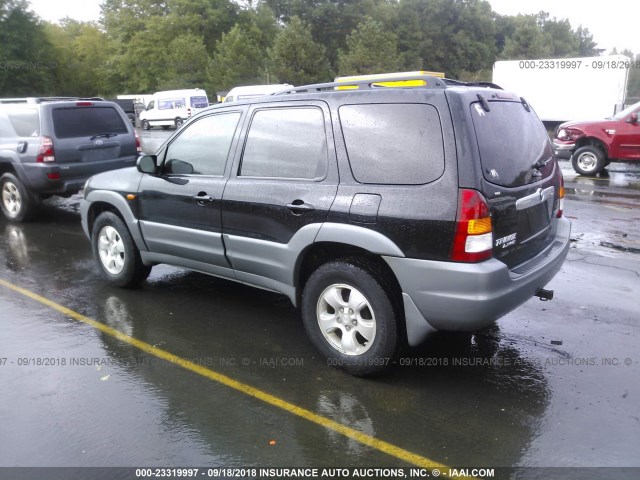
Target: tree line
(140,46)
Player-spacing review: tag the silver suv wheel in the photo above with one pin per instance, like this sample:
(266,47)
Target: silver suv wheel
(346,319)
(11,199)
(111,250)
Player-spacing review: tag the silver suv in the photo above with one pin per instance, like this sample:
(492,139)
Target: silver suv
(51,146)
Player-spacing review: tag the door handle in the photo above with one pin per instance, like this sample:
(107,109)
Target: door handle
(203,198)
(298,207)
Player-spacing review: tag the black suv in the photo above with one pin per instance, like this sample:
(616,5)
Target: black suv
(51,146)
(384,213)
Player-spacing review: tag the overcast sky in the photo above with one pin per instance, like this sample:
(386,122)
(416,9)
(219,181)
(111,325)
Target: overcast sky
(613,23)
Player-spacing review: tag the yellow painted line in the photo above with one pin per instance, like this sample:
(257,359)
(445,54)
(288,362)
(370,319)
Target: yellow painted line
(377,444)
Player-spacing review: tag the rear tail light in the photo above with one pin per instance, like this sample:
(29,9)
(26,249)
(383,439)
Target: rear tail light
(188,112)
(138,144)
(473,239)
(46,152)
(561,195)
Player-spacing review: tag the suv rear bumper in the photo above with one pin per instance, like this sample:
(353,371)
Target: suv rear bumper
(466,297)
(72,176)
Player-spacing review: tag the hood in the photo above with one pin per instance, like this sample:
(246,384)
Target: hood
(582,124)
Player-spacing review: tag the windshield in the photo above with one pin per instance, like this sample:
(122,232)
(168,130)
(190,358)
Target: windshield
(627,111)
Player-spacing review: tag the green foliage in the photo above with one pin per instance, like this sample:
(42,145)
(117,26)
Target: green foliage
(446,35)
(371,49)
(186,62)
(80,56)
(27,60)
(141,46)
(538,36)
(295,58)
(240,56)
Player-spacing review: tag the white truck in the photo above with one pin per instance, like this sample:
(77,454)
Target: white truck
(568,88)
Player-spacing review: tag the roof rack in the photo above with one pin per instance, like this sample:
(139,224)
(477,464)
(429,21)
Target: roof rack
(452,82)
(49,99)
(376,82)
(429,80)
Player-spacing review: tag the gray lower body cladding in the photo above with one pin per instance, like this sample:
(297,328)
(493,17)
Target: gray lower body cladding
(468,296)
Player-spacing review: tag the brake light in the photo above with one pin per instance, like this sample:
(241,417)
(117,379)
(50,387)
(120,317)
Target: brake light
(138,144)
(560,195)
(188,112)
(84,104)
(473,238)
(46,152)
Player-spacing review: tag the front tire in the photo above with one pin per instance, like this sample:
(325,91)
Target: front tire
(588,160)
(17,204)
(146,125)
(116,253)
(350,317)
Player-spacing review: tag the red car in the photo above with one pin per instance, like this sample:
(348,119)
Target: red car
(591,146)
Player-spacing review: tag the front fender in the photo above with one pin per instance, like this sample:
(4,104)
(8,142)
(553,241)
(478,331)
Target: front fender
(116,201)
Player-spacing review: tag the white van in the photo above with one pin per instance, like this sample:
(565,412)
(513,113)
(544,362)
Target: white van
(253,91)
(172,107)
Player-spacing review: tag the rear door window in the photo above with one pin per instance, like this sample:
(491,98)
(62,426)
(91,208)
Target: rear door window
(77,122)
(511,141)
(286,143)
(394,144)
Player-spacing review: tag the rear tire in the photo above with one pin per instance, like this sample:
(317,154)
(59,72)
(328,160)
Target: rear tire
(17,204)
(116,252)
(178,121)
(588,160)
(350,317)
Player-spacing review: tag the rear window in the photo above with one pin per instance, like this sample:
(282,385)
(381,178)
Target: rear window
(511,141)
(25,122)
(393,144)
(199,102)
(87,122)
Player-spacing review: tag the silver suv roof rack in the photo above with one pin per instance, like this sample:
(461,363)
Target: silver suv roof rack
(49,99)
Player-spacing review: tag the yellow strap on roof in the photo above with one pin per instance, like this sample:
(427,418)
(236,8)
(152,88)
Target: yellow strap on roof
(388,76)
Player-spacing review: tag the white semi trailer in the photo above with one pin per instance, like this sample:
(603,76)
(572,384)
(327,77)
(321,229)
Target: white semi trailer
(569,88)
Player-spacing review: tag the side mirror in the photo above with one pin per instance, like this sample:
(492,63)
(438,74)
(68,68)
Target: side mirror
(147,164)
(178,167)
(633,118)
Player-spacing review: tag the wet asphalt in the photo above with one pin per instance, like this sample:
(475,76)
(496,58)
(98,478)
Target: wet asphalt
(553,384)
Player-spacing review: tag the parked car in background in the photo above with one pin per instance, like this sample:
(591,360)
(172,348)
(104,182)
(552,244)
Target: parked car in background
(252,91)
(51,146)
(171,108)
(384,213)
(592,145)
(127,106)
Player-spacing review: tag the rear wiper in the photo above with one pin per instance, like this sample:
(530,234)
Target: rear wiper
(540,163)
(105,135)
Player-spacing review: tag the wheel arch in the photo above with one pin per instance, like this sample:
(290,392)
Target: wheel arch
(323,252)
(594,142)
(105,201)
